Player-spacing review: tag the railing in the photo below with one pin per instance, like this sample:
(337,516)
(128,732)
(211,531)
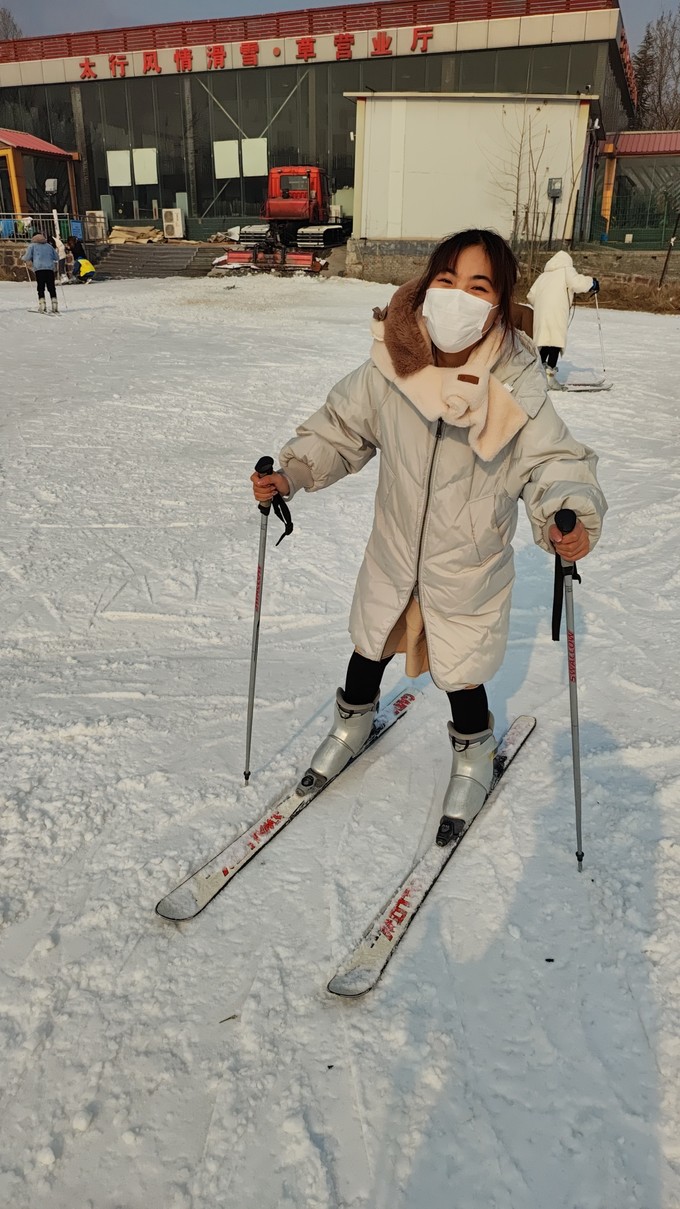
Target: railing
(286,25)
(22,227)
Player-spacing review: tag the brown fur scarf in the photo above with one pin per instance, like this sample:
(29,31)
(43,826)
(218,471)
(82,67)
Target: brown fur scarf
(406,337)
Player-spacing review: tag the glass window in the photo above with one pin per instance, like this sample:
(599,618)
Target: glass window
(94,139)
(223,103)
(319,84)
(252,91)
(377,74)
(512,69)
(583,68)
(202,139)
(115,114)
(295,183)
(410,75)
(60,111)
(284,111)
(171,144)
(26,110)
(345,77)
(450,72)
(6,203)
(549,69)
(477,71)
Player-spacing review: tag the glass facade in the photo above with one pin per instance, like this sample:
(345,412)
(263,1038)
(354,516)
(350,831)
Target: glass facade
(300,110)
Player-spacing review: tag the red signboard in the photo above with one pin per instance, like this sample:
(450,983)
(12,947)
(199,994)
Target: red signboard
(301,23)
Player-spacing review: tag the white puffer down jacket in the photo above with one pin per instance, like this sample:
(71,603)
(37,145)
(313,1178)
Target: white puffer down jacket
(552,296)
(445,515)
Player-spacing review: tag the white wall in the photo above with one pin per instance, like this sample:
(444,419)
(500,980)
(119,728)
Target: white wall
(429,165)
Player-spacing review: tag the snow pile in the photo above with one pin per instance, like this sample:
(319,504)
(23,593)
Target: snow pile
(522,1050)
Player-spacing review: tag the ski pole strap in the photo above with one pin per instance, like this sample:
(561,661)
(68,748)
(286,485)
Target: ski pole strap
(283,512)
(264,466)
(565,520)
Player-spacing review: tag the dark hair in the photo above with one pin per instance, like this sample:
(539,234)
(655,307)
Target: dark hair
(504,267)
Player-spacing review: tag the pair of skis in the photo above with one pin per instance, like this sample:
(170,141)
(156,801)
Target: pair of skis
(366,962)
(587,384)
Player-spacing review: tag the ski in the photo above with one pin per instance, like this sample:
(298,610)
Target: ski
(582,387)
(362,969)
(33,310)
(192,895)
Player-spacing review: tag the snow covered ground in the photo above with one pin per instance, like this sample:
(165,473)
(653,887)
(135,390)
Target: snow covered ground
(523,1048)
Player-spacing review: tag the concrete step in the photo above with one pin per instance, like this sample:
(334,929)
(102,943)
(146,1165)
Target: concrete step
(146,260)
(203,260)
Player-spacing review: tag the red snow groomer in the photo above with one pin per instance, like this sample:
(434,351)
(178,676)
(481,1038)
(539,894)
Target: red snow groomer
(296,220)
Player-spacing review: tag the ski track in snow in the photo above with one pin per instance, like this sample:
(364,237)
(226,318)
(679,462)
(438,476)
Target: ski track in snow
(523,1048)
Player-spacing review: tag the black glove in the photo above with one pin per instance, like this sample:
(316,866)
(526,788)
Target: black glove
(595,287)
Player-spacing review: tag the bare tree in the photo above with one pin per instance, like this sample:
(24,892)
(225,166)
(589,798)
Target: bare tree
(518,177)
(657,70)
(8,26)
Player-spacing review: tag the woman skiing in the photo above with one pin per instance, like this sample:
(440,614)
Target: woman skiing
(455,400)
(552,296)
(44,259)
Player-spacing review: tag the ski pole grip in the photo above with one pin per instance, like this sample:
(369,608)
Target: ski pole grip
(565,520)
(265,465)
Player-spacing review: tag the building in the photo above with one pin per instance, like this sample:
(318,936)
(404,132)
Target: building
(526,163)
(637,192)
(28,163)
(186,115)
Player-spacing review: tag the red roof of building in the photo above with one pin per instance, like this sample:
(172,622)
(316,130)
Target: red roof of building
(28,142)
(648,142)
(285,25)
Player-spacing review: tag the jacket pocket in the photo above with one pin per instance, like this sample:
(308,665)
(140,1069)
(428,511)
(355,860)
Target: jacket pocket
(486,535)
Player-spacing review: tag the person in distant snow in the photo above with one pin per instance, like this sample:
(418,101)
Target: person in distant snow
(44,259)
(454,398)
(552,296)
(58,243)
(77,251)
(86,270)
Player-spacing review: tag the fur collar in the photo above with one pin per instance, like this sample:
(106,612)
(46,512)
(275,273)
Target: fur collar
(468,397)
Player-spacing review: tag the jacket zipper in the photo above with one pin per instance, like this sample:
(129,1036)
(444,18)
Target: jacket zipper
(437,436)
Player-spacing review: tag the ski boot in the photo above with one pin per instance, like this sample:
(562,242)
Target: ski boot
(351,727)
(42,306)
(551,375)
(471,776)
(55,307)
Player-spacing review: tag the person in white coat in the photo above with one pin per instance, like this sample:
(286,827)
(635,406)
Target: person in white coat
(552,297)
(454,398)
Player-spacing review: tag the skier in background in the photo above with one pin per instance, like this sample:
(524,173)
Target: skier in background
(455,400)
(552,297)
(77,251)
(44,259)
(86,270)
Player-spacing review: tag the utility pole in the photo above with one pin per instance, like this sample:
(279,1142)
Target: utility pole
(671,245)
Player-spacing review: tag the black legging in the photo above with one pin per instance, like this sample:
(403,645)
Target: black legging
(469,706)
(45,277)
(550,355)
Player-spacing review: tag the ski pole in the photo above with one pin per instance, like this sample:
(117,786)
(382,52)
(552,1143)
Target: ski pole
(264,466)
(565,574)
(599,325)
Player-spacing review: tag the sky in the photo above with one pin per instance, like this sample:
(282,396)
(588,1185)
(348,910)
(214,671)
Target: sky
(63,16)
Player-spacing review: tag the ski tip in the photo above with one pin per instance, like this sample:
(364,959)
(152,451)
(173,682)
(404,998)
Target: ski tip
(175,909)
(351,984)
(526,721)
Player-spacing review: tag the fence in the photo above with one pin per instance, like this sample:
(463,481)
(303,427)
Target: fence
(21,227)
(645,204)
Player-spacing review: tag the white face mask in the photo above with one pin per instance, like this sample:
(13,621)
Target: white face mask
(455,320)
